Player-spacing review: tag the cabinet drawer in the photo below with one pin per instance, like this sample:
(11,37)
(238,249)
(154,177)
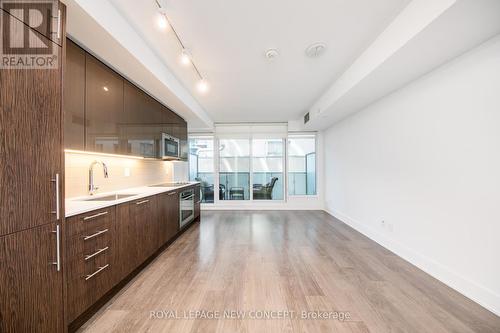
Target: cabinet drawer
(80,269)
(80,245)
(90,223)
(84,291)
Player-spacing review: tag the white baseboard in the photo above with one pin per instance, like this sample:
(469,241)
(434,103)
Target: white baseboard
(269,206)
(478,293)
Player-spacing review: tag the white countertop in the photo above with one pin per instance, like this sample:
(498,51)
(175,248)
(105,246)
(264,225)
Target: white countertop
(78,205)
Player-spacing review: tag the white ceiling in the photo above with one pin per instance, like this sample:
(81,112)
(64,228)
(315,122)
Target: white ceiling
(228,39)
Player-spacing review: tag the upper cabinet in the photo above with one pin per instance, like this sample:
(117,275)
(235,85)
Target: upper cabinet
(142,122)
(103,108)
(106,113)
(74,97)
(31,143)
(44,18)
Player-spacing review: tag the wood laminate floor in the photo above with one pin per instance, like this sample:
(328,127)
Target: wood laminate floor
(264,262)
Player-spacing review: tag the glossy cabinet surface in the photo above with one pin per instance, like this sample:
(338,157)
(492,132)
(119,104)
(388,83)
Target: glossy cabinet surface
(74,97)
(143,119)
(116,116)
(103,108)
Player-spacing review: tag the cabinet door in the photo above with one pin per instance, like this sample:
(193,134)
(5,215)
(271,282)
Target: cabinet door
(142,211)
(30,144)
(168,223)
(103,108)
(74,97)
(31,297)
(28,12)
(173,215)
(141,123)
(197,200)
(126,255)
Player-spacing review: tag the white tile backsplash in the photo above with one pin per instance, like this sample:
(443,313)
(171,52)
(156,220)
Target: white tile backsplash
(123,173)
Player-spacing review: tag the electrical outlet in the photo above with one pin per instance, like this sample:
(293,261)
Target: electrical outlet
(382,223)
(127,172)
(390,227)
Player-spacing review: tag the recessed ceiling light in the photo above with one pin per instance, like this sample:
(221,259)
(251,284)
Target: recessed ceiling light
(315,50)
(105,88)
(272,54)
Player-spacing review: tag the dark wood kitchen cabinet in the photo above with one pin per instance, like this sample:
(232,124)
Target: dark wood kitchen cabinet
(31,293)
(143,119)
(31,181)
(173,211)
(168,222)
(74,97)
(197,200)
(105,246)
(104,112)
(90,259)
(144,213)
(125,239)
(136,234)
(116,116)
(30,145)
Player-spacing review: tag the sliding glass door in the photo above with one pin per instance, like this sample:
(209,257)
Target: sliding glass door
(267,169)
(234,169)
(201,166)
(301,164)
(259,163)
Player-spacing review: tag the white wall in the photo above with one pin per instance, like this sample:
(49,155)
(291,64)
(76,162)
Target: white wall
(426,159)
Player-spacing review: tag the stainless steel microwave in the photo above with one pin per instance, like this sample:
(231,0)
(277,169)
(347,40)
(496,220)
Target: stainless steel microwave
(169,147)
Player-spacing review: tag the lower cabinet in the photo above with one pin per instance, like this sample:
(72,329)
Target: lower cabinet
(197,200)
(137,233)
(91,263)
(104,246)
(31,297)
(168,221)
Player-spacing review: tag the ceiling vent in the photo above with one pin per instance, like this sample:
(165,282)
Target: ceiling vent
(315,50)
(271,54)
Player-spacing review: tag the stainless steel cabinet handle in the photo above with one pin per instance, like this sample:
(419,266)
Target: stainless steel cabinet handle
(57,263)
(95,235)
(59,24)
(197,202)
(58,197)
(87,257)
(86,218)
(88,277)
(142,202)
(173,193)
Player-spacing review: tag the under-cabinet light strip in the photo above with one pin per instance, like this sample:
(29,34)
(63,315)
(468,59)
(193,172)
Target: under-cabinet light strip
(81,152)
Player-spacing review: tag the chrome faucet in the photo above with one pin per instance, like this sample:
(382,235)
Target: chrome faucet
(92,187)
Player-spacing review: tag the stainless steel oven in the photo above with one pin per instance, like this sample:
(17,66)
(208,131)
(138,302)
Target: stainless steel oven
(169,147)
(186,207)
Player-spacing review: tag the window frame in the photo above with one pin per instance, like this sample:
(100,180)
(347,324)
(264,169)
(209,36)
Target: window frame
(303,134)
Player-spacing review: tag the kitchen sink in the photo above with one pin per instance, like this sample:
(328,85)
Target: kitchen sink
(111,197)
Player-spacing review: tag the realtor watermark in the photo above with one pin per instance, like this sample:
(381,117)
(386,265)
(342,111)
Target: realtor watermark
(28,31)
(250,315)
